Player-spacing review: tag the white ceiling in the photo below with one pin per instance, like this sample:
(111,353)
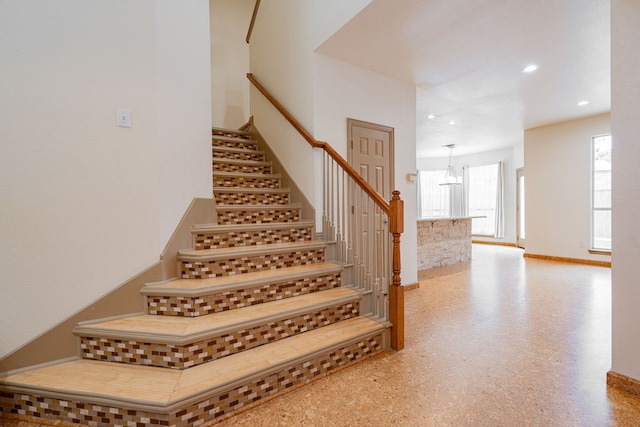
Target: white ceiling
(465,58)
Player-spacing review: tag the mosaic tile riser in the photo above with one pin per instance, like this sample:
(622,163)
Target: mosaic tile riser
(212,240)
(233,198)
(226,267)
(222,154)
(257,217)
(245,168)
(245,182)
(198,306)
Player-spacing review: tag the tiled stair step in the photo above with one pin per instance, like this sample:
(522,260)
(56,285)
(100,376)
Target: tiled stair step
(204,263)
(99,393)
(184,342)
(251,196)
(258,214)
(247,180)
(190,298)
(240,143)
(237,153)
(211,236)
(231,133)
(246,166)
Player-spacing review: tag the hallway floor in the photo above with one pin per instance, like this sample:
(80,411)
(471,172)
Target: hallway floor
(501,340)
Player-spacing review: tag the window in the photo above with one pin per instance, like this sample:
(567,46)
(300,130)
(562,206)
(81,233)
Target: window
(483,197)
(601,192)
(434,198)
(480,195)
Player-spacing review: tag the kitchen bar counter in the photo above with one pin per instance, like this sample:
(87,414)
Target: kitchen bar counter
(443,241)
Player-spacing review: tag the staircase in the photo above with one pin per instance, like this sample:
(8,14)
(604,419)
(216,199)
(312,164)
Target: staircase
(257,310)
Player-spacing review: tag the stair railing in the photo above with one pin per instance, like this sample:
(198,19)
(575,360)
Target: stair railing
(346,193)
(253,21)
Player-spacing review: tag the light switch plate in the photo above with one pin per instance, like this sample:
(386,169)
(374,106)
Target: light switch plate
(124,118)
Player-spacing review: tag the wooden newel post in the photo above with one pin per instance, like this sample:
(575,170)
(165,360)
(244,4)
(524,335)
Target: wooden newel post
(396,291)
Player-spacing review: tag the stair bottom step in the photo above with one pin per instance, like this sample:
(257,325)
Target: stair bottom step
(102,393)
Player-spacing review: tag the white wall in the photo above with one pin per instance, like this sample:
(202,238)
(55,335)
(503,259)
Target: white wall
(86,204)
(625,104)
(558,187)
(230,62)
(345,91)
(281,58)
(512,160)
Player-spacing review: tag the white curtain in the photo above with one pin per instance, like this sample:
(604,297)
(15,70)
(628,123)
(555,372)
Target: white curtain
(464,201)
(433,198)
(499,233)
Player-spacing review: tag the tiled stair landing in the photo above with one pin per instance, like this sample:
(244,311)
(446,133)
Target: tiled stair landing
(257,310)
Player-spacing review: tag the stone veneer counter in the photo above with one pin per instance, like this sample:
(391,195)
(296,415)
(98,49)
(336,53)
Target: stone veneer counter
(443,241)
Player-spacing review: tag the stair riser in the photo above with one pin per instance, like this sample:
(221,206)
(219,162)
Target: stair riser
(223,402)
(234,198)
(228,133)
(221,154)
(208,304)
(244,168)
(208,269)
(244,145)
(250,216)
(214,240)
(245,182)
(195,353)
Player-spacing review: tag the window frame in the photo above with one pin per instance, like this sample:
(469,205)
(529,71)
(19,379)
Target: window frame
(593,248)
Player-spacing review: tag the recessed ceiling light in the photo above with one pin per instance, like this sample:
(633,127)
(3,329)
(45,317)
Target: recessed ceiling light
(431,117)
(530,68)
(452,122)
(582,103)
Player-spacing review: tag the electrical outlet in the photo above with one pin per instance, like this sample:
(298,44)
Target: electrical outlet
(124,118)
(582,244)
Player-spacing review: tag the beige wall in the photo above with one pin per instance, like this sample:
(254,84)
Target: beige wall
(86,204)
(558,187)
(282,59)
(344,91)
(230,62)
(625,105)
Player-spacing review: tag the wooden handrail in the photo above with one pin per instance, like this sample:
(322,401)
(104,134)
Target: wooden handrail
(253,20)
(366,187)
(394,209)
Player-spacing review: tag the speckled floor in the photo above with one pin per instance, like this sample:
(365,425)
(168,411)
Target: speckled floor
(501,340)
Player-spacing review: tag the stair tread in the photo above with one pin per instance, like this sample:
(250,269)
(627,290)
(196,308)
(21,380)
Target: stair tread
(235,138)
(160,388)
(241,162)
(247,174)
(200,228)
(197,287)
(184,330)
(236,150)
(196,254)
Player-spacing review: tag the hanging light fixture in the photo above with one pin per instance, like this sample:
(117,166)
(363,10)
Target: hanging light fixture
(450,178)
